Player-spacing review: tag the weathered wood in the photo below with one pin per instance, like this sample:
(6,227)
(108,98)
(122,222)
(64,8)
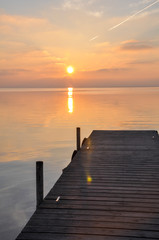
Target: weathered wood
(94,231)
(95,213)
(78,136)
(39,183)
(44,218)
(100,208)
(97,224)
(110,190)
(106,199)
(67,236)
(100,204)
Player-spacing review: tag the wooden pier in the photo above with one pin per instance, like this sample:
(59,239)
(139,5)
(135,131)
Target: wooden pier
(109,191)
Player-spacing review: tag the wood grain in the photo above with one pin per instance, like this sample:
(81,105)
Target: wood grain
(110,190)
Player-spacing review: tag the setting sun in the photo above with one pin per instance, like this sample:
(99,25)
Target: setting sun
(70,69)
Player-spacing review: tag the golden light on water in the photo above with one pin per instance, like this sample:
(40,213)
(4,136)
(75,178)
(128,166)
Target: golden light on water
(70,92)
(70,100)
(70,69)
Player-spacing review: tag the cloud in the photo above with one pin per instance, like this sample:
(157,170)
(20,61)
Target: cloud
(111,70)
(104,73)
(24,29)
(102,48)
(30,43)
(138,3)
(143,62)
(34,82)
(83,6)
(19,21)
(72,4)
(11,72)
(96,14)
(134,45)
(76,4)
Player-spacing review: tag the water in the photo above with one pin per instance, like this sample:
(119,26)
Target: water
(39,124)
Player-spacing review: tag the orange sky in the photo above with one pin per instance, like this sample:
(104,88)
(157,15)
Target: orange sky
(37,44)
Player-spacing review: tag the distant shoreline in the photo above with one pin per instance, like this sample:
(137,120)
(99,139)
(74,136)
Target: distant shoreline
(63,89)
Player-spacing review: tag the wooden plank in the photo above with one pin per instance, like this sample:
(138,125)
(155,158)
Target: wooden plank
(94,213)
(96,188)
(52,236)
(101,208)
(93,231)
(38,222)
(67,203)
(105,199)
(97,218)
(103,191)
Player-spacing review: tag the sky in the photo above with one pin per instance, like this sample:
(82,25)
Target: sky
(110,43)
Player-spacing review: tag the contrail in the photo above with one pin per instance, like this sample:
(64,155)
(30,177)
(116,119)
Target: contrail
(127,19)
(94,38)
(133,15)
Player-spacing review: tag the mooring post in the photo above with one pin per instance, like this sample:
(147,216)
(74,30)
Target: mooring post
(78,131)
(39,183)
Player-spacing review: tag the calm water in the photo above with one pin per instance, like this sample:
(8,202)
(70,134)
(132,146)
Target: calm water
(40,125)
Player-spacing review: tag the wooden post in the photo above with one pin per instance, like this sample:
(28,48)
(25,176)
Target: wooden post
(39,183)
(78,131)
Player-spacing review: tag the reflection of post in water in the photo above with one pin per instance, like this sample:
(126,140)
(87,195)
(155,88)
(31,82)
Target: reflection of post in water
(70,100)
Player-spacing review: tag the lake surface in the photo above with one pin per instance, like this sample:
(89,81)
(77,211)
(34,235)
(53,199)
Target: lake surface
(40,124)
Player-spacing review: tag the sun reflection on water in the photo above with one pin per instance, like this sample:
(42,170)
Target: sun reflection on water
(70,100)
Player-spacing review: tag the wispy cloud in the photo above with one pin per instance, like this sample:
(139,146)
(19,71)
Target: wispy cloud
(133,45)
(97,14)
(143,62)
(77,4)
(18,21)
(139,3)
(85,6)
(111,70)
(10,72)
(72,4)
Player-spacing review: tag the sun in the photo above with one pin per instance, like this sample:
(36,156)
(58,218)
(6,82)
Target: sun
(70,69)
